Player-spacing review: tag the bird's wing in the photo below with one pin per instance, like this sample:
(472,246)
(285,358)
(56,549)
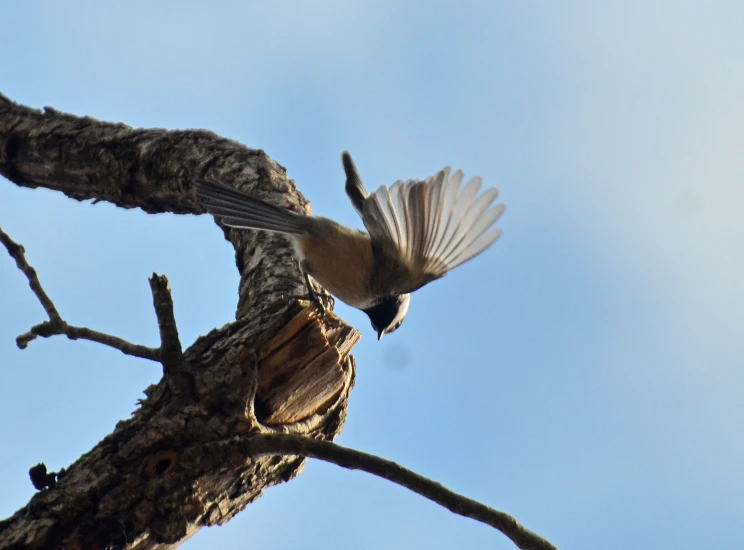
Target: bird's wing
(434,224)
(354,187)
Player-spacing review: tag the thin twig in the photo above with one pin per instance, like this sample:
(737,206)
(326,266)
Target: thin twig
(17,252)
(56,325)
(275,444)
(48,328)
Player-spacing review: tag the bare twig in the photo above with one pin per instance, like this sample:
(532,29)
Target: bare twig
(275,444)
(171,352)
(56,325)
(17,252)
(49,328)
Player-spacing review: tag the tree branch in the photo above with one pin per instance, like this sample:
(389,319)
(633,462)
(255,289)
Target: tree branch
(56,325)
(17,252)
(150,484)
(277,444)
(49,328)
(171,353)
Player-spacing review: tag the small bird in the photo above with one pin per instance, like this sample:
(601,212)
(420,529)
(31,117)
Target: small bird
(419,230)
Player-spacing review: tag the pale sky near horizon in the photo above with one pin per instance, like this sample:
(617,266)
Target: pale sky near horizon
(584,374)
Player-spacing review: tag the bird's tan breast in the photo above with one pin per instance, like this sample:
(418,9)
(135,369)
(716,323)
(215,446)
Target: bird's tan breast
(339,259)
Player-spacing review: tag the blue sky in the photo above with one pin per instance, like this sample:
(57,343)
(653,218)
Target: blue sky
(584,375)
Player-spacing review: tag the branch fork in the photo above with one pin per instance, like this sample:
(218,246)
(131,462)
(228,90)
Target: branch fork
(169,353)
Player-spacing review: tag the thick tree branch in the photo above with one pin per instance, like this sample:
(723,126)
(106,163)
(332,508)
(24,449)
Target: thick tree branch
(276,444)
(150,484)
(154,169)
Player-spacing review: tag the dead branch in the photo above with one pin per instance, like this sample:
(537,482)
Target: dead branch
(280,368)
(283,445)
(170,351)
(150,483)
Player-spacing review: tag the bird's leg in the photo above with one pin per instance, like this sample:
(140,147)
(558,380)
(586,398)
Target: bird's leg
(314,296)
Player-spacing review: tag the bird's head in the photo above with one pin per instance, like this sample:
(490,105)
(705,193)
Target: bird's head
(388,313)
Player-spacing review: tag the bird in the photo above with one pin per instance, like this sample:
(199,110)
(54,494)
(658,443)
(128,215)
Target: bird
(417,232)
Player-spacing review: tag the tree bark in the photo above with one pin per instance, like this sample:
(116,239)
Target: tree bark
(279,368)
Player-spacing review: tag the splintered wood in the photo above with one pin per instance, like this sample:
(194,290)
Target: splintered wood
(304,368)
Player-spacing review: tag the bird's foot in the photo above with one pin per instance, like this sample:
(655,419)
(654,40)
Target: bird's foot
(324,302)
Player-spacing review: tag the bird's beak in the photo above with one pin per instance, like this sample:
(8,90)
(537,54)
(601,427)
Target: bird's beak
(380,333)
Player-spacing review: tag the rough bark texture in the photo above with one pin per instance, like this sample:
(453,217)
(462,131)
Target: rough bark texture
(159,476)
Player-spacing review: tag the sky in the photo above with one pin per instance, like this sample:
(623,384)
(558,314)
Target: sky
(584,374)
